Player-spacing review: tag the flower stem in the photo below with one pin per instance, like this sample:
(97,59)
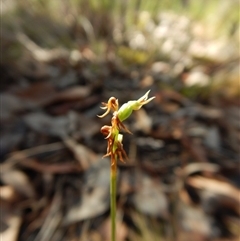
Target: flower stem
(113,194)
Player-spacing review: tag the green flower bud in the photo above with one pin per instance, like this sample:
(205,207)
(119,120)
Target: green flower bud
(126,109)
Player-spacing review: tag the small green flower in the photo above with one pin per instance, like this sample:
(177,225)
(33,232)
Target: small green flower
(126,109)
(115,147)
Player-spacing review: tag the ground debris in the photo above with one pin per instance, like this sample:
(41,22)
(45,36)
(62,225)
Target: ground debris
(182,178)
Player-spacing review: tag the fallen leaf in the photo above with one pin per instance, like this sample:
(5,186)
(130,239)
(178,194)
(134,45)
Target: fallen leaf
(84,155)
(10,224)
(43,94)
(58,168)
(95,196)
(194,220)
(215,186)
(196,167)
(19,181)
(150,199)
(216,193)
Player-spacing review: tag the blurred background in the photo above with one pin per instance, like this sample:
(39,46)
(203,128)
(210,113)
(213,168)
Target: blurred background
(60,60)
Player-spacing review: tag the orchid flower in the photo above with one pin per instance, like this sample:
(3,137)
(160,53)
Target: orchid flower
(115,148)
(114,139)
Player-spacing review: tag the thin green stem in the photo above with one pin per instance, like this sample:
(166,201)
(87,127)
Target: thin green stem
(113,187)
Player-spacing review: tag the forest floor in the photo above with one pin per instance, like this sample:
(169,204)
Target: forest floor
(182,179)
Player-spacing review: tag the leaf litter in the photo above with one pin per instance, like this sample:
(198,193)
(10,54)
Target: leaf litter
(182,180)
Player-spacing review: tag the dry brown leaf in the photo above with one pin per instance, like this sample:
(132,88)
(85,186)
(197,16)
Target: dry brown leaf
(45,168)
(10,224)
(73,93)
(150,199)
(16,157)
(95,196)
(84,155)
(194,220)
(43,93)
(193,168)
(215,186)
(19,181)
